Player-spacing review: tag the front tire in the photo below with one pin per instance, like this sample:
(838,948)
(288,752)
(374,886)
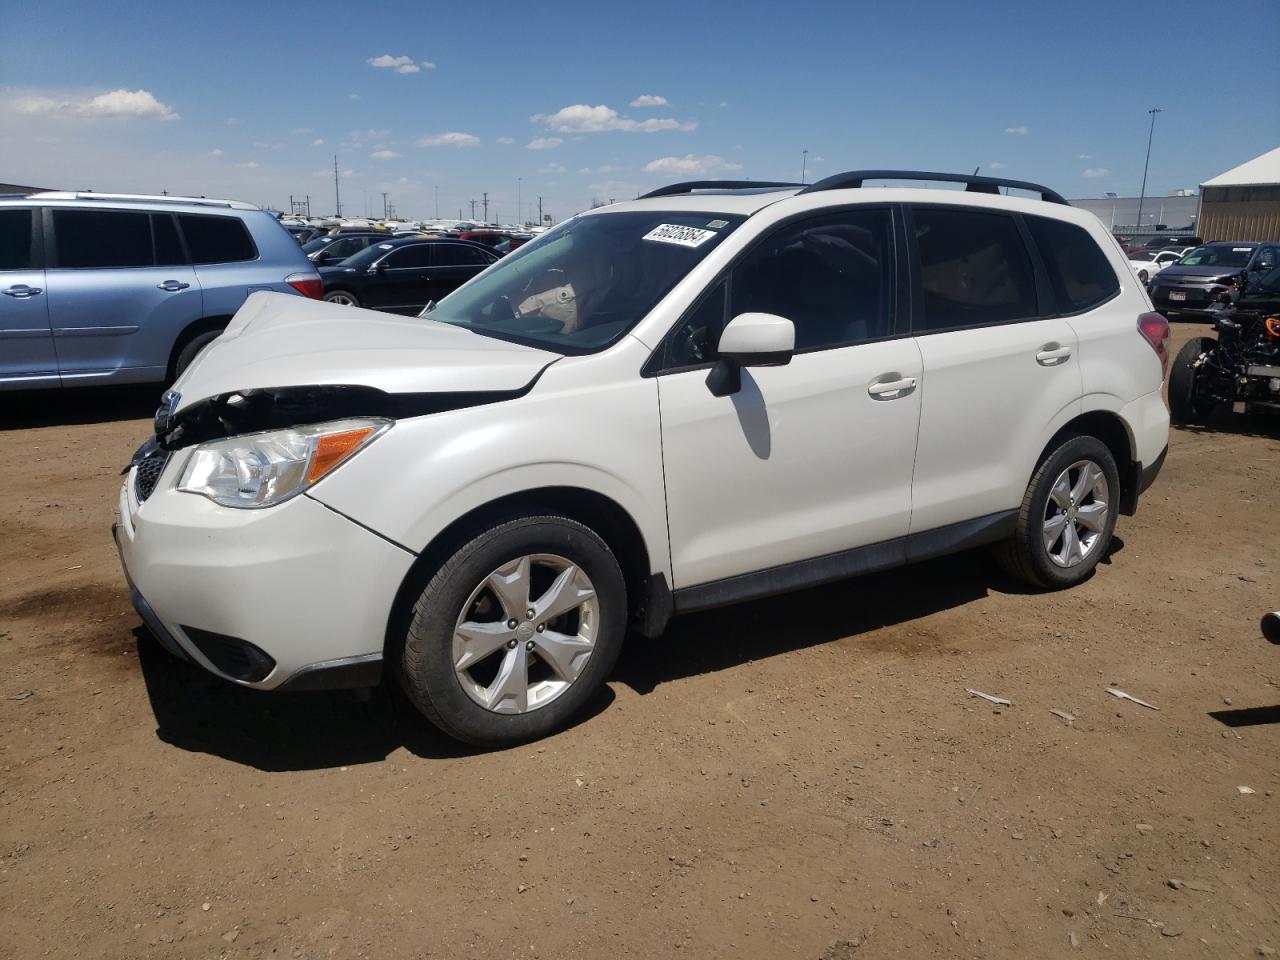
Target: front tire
(1067,518)
(191,349)
(516,631)
(1184,404)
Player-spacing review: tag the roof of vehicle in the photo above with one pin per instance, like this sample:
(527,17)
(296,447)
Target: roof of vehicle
(136,199)
(1232,243)
(410,241)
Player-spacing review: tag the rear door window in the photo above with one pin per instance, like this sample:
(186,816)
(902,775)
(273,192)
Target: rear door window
(451,255)
(1079,272)
(214,239)
(15,240)
(164,234)
(91,239)
(418,255)
(974,269)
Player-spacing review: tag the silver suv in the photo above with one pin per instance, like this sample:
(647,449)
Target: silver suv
(109,288)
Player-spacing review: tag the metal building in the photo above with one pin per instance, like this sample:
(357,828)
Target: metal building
(1244,202)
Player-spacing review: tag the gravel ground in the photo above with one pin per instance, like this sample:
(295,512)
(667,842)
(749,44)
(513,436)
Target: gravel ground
(798,777)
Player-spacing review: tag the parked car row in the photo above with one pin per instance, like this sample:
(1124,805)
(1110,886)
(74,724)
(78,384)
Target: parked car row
(1189,288)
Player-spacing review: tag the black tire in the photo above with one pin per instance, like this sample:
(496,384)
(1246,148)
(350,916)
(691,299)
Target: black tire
(1142,276)
(1025,555)
(344,296)
(1184,405)
(427,670)
(191,348)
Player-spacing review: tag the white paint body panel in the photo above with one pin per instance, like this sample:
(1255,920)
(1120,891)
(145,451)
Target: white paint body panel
(800,463)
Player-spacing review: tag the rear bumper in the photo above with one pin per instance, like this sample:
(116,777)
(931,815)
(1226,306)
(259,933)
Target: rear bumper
(1147,473)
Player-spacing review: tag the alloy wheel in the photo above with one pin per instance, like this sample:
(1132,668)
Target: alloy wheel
(526,633)
(1076,513)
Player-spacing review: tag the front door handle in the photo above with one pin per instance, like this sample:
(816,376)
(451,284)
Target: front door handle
(1053,354)
(172,286)
(891,386)
(22,291)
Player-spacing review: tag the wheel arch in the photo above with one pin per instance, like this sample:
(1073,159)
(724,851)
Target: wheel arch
(189,333)
(1110,428)
(648,594)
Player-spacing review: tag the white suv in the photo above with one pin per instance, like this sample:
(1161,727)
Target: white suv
(716,392)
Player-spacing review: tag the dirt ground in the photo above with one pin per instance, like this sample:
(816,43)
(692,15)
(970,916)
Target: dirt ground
(799,777)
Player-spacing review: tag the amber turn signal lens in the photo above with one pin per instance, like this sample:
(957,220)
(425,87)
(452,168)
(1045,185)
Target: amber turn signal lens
(1273,328)
(332,449)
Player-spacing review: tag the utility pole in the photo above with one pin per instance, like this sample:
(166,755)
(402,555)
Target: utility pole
(437,193)
(384,205)
(539,210)
(804,164)
(1150,134)
(486,206)
(308,206)
(519,204)
(291,210)
(473,211)
(337,196)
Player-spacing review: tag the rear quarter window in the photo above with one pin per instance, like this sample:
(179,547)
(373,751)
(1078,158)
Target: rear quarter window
(15,239)
(217,239)
(1079,272)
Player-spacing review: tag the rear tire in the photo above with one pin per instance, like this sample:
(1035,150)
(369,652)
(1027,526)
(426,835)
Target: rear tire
(191,349)
(344,297)
(491,684)
(1184,405)
(1067,518)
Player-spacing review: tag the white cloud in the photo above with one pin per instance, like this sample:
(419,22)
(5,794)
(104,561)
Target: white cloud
(327,173)
(232,121)
(1094,172)
(263,145)
(819,159)
(400,64)
(1085,156)
(691,163)
(505,140)
(299,131)
(449,140)
(215,152)
(649,100)
(383,155)
(353,96)
(723,104)
(110,105)
(551,168)
(248,165)
(995,165)
(585,171)
(544,143)
(1020,131)
(317,142)
(581,118)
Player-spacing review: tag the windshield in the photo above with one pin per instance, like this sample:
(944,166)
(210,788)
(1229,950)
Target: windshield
(319,243)
(364,259)
(1271,282)
(1217,257)
(580,287)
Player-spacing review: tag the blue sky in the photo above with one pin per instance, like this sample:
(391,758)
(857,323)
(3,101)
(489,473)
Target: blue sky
(252,100)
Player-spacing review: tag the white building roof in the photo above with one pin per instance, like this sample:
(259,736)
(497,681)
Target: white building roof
(1260,170)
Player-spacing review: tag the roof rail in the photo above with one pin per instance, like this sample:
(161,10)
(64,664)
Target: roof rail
(974,184)
(692,185)
(140,197)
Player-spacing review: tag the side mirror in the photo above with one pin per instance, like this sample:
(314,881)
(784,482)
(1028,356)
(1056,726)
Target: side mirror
(750,340)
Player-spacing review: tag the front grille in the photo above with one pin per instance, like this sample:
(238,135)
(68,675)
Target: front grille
(149,470)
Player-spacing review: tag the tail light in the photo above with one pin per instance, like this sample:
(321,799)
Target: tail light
(307,284)
(1155,330)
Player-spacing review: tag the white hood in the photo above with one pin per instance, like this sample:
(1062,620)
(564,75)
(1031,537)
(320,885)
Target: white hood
(280,340)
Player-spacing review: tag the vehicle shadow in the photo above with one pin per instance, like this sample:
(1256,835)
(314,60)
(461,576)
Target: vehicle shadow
(83,405)
(714,640)
(1261,425)
(276,732)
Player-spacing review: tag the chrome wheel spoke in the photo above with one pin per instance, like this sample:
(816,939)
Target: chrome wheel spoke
(564,654)
(510,585)
(1053,528)
(479,640)
(569,591)
(1092,516)
(1060,492)
(509,692)
(1086,481)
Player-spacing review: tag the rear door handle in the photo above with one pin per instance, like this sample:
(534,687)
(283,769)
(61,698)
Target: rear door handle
(22,291)
(891,386)
(1053,354)
(172,286)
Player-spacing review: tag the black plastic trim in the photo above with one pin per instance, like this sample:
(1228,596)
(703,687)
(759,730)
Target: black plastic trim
(347,673)
(884,555)
(156,628)
(1147,474)
(233,656)
(974,184)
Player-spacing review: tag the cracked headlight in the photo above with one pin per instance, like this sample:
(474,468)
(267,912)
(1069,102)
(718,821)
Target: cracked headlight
(263,469)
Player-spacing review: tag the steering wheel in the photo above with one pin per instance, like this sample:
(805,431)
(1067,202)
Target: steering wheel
(511,311)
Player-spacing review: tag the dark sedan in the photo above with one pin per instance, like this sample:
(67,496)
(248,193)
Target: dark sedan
(1190,287)
(329,249)
(403,276)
